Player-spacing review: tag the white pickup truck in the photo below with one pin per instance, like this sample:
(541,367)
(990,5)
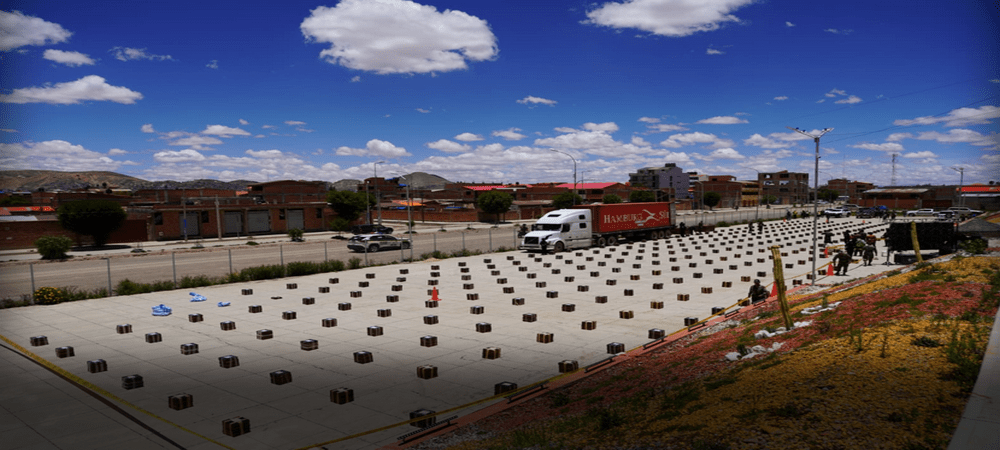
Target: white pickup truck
(964,211)
(928,212)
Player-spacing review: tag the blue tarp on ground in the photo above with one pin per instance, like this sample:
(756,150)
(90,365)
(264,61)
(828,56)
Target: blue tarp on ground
(162,310)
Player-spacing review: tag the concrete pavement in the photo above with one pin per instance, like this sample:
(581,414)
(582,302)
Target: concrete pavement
(386,390)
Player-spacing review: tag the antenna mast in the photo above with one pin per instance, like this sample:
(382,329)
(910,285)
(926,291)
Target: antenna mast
(894,168)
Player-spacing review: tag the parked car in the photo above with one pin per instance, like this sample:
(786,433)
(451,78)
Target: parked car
(926,212)
(850,206)
(836,212)
(371,243)
(945,215)
(965,211)
(370,229)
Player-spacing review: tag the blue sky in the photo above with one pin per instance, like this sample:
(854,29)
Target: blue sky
(483,91)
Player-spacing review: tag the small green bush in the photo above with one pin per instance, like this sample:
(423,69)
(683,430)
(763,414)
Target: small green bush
(53,247)
(296,235)
(354,263)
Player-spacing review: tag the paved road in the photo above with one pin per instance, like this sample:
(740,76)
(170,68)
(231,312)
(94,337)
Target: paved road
(89,273)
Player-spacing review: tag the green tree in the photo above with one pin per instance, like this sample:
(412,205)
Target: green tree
(494,202)
(97,218)
(340,224)
(349,205)
(768,199)
(711,199)
(829,195)
(566,199)
(611,198)
(641,196)
(14,201)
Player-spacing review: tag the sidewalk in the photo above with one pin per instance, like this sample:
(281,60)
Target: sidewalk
(980,425)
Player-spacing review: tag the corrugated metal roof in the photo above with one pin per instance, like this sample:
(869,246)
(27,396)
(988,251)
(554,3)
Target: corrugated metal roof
(487,188)
(895,191)
(586,185)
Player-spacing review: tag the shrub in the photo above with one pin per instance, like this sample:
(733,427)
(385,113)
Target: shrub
(974,246)
(53,247)
(354,263)
(296,235)
(49,296)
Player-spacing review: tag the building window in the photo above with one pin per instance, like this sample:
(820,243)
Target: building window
(158,218)
(204,217)
(281,214)
(319,213)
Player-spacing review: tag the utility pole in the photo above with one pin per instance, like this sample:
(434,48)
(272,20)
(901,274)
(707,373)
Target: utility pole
(378,199)
(961,184)
(574,173)
(815,205)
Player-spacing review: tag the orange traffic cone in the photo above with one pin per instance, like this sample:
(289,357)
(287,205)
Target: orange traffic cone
(774,290)
(826,252)
(434,296)
(829,270)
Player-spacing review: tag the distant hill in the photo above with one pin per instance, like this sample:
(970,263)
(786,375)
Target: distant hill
(52,180)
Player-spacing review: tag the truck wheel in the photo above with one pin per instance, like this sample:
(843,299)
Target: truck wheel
(559,247)
(601,242)
(612,240)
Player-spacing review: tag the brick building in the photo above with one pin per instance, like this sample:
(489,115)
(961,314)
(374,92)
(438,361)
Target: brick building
(727,187)
(667,177)
(851,189)
(786,187)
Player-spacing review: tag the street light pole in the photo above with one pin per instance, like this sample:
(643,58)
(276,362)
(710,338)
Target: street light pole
(815,205)
(378,199)
(961,184)
(574,173)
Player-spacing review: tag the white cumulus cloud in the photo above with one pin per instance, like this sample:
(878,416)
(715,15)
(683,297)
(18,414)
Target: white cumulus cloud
(375,147)
(886,147)
(509,134)
(54,155)
(468,137)
(532,100)
(680,140)
(135,54)
(196,142)
(850,100)
(398,36)
(148,128)
(667,17)
(722,120)
(609,127)
(923,154)
(712,51)
(90,87)
(171,156)
(68,58)
(447,146)
(957,117)
(224,131)
(19,30)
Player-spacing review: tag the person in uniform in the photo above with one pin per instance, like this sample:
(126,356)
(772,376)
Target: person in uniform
(757,292)
(841,262)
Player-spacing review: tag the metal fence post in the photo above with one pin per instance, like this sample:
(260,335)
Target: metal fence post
(173,263)
(326,253)
(110,293)
(435,236)
(489,231)
(463,241)
(281,255)
(31,268)
(230,260)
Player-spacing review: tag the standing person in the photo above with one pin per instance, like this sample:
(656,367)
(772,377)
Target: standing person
(760,226)
(868,254)
(870,239)
(750,226)
(859,244)
(892,217)
(827,237)
(545,245)
(757,292)
(788,214)
(841,262)
(684,229)
(848,244)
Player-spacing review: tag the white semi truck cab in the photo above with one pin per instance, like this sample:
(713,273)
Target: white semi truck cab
(562,229)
